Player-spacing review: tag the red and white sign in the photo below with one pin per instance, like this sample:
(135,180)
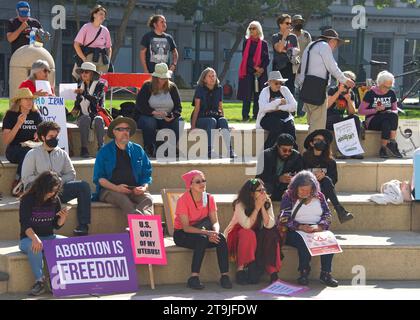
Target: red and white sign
(320,243)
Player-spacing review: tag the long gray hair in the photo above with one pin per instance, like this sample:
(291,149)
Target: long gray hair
(203,75)
(303,178)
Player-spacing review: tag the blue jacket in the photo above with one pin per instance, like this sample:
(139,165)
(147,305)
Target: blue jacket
(106,160)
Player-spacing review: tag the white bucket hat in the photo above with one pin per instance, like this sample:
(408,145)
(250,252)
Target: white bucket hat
(162,71)
(90,67)
(275,75)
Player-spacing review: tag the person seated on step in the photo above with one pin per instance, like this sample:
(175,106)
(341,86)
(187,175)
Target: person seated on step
(341,99)
(123,172)
(318,159)
(196,227)
(208,110)
(304,208)
(158,106)
(280,163)
(40,212)
(276,104)
(49,156)
(379,105)
(19,126)
(253,241)
(40,70)
(90,96)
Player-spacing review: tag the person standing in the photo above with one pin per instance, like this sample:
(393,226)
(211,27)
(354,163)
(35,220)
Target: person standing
(285,45)
(304,39)
(253,69)
(315,74)
(19,28)
(156,45)
(93,42)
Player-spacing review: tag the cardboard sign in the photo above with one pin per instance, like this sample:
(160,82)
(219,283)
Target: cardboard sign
(101,264)
(282,288)
(170,198)
(408,136)
(147,239)
(320,243)
(53,109)
(347,139)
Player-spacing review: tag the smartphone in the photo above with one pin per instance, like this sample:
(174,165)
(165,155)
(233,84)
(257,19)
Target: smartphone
(67,207)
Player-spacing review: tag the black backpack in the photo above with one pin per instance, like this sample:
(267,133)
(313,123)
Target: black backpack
(127,109)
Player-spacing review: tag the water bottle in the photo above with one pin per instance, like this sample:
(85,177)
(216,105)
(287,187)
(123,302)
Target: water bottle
(32,37)
(256,84)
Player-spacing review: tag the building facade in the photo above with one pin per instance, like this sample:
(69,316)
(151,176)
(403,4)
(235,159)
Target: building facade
(392,35)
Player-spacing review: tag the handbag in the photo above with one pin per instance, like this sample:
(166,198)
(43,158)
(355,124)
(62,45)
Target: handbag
(105,115)
(282,227)
(314,88)
(76,57)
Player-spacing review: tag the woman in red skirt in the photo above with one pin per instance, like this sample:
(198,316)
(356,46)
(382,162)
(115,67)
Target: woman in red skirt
(252,239)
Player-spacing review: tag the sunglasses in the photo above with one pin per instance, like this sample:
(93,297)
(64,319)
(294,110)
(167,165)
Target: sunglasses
(122,129)
(277,83)
(46,71)
(287,23)
(86,71)
(288,150)
(200,181)
(252,28)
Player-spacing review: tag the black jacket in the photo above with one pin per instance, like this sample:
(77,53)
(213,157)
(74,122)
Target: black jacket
(142,102)
(310,161)
(269,176)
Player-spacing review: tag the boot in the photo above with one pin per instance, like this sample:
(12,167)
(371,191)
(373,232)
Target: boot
(327,279)
(303,279)
(343,214)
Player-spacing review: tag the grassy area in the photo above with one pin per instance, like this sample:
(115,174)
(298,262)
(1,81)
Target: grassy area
(232,111)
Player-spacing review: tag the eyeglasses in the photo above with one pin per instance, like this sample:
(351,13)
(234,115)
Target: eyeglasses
(200,181)
(122,129)
(260,190)
(277,83)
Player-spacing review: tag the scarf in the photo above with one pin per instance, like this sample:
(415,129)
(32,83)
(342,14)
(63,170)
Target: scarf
(256,59)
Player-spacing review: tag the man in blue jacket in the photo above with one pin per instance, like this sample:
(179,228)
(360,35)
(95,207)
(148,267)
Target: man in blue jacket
(122,171)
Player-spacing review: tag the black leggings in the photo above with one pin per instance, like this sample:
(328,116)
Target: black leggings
(384,122)
(199,243)
(328,189)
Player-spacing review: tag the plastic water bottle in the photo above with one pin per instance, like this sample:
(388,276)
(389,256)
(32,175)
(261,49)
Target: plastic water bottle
(256,84)
(32,37)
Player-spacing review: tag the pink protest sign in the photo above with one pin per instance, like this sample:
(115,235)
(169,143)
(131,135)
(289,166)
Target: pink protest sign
(147,239)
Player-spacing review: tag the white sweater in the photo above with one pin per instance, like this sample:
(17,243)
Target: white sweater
(266,106)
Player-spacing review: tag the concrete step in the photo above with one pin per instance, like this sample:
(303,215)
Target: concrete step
(381,255)
(242,135)
(227,176)
(368,216)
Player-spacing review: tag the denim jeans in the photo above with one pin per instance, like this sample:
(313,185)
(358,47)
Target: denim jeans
(81,191)
(35,259)
(150,125)
(208,124)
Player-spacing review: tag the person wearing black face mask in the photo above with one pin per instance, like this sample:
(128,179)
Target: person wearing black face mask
(50,157)
(318,159)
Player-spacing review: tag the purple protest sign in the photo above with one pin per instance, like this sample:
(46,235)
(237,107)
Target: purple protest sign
(100,264)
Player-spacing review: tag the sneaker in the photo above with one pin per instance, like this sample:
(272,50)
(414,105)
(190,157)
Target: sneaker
(84,153)
(241,277)
(194,283)
(358,156)
(383,153)
(225,282)
(303,279)
(340,156)
(343,214)
(37,289)
(17,188)
(274,277)
(245,119)
(327,279)
(392,146)
(81,230)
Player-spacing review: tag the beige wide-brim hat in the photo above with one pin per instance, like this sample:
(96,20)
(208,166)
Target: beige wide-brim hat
(131,123)
(275,75)
(162,71)
(23,93)
(90,67)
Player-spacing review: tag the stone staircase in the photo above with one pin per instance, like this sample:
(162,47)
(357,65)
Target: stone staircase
(385,240)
